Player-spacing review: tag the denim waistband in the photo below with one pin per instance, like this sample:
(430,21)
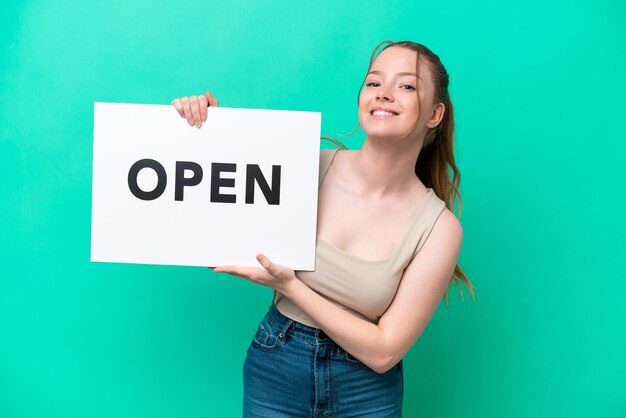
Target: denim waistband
(304,332)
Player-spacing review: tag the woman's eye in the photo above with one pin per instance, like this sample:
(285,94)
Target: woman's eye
(372,84)
(407,87)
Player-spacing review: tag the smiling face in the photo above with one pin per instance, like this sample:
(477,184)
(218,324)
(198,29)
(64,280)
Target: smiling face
(388,104)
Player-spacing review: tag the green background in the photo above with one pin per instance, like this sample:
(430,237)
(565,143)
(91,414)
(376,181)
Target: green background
(539,95)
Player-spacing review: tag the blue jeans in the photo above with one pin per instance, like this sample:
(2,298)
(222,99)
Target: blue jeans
(293,370)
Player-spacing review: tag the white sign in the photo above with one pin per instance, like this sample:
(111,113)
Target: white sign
(167,193)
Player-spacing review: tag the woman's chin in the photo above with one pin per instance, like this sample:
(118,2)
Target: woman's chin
(383,134)
(389,138)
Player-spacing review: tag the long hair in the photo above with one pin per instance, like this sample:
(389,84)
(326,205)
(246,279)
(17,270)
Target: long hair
(435,165)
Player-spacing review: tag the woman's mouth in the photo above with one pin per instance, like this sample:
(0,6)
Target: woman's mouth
(382,113)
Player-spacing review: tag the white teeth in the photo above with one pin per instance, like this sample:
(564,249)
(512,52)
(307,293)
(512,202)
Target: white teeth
(381,113)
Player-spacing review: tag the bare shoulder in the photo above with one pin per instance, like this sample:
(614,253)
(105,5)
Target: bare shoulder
(340,161)
(446,233)
(436,261)
(343,155)
(448,222)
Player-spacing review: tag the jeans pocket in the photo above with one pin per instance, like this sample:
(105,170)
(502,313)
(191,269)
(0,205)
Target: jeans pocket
(351,358)
(265,339)
(344,355)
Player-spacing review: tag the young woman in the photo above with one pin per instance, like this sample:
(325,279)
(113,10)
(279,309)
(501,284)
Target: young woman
(388,241)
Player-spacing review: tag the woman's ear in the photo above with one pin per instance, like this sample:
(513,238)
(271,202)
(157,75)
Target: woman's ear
(436,116)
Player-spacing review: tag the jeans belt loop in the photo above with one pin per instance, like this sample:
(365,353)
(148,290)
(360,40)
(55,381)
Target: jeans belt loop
(282,335)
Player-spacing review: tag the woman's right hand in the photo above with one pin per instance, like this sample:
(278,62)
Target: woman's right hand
(194,108)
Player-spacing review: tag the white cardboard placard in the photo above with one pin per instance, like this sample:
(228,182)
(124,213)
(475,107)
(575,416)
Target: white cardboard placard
(200,229)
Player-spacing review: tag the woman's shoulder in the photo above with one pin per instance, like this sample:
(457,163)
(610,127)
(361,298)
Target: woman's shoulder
(448,225)
(331,152)
(335,157)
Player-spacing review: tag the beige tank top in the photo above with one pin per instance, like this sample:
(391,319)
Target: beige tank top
(362,287)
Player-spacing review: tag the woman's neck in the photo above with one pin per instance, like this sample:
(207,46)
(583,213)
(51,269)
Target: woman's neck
(386,168)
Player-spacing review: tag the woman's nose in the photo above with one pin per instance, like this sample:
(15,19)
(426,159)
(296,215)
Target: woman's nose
(383,94)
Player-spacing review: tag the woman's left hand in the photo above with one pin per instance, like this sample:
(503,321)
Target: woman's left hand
(272,275)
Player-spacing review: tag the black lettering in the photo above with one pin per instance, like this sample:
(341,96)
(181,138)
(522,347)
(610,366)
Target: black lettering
(253,172)
(182,181)
(217,182)
(161,179)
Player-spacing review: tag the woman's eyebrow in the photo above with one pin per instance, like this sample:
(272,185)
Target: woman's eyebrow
(403,73)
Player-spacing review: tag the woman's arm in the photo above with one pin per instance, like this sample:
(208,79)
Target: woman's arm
(422,286)
(380,346)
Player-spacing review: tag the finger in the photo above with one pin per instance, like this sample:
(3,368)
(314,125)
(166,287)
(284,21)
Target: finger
(195,110)
(212,100)
(273,269)
(265,262)
(253,274)
(179,107)
(187,109)
(234,270)
(204,104)
(241,276)
(226,269)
